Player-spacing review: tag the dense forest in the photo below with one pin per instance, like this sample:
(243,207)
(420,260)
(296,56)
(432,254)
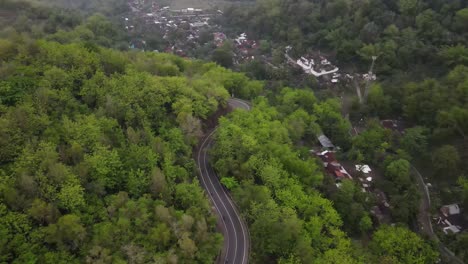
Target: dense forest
(109,8)
(277,187)
(96,142)
(96,155)
(422,80)
(62,25)
(402,33)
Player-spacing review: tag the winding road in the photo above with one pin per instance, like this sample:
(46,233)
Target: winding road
(424,218)
(236,236)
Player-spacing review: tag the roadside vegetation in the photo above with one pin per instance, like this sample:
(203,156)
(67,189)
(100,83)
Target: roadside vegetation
(96,155)
(96,142)
(277,185)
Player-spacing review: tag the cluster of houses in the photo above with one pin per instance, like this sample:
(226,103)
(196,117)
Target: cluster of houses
(180,28)
(193,20)
(219,38)
(451,219)
(327,155)
(332,166)
(245,48)
(362,173)
(319,66)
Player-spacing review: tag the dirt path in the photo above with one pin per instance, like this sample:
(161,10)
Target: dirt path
(424,218)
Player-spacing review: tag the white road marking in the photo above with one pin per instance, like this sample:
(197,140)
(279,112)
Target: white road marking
(242,103)
(209,193)
(241,223)
(244,256)
(227,212)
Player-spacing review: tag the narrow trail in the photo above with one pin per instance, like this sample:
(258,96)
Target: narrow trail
(236,236)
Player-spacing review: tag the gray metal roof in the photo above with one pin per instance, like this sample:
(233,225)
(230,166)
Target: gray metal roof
(325,141)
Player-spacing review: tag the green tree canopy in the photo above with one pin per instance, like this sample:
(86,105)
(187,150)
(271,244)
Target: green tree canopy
(401,245)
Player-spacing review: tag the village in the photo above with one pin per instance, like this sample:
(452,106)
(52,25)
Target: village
(446,220)
(318,65)
(363,174)
(177,29)
(187,30)
(193,33)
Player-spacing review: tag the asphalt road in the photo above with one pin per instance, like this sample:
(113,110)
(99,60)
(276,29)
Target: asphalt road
(236,236)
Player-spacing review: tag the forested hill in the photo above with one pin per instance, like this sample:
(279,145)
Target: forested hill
(95,154)
(402,33)
(96,144)
(276,185)
(96,167)
(107,7)
(44,19)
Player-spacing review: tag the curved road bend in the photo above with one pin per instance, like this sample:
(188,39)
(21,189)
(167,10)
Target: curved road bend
(236,237)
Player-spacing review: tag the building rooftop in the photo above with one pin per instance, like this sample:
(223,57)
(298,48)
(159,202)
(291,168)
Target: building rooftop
(363,168)
(451,209)
(325,141)
(451,228)
(326,156)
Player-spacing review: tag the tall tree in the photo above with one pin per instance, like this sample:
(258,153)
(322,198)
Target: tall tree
(400,245)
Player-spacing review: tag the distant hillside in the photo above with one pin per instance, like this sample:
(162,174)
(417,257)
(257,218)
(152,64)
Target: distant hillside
(36,20)
(108,7)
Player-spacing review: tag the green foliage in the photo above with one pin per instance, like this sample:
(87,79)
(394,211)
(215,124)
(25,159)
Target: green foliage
(378,104)
(44,213)
(68,233)
(288,219)
(7,50)
(399,171)
(454,120)
(439,105)
(415,141)
(95,154)
(332,123)
(408,7)
(14,241)
(402,246)
(229,182)
(455,55)
(353,206)
(458,245)
(404,34)
(371,144)
(223,55)
(237,84)
(422,100)
(39,19)
(461,18)
(292,99)
(365,224)
(446,161)
(463,182)
(96,144)
(71,196)
(105,167)
(401,190)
